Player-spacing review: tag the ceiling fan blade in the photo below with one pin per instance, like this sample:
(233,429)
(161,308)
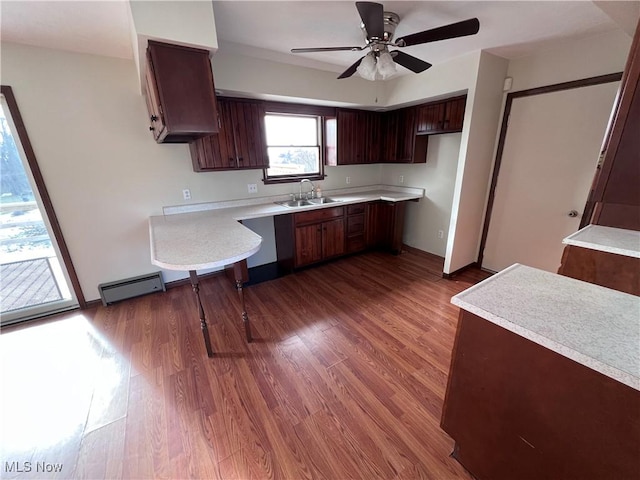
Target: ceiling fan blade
(326,49)
(460,29)
(351,70)
(409,61)
(371,14)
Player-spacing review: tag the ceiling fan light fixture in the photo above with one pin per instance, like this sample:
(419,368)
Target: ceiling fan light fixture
(386,65)
(367,67)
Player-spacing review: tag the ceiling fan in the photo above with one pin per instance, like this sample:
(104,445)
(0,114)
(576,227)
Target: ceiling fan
(378,27)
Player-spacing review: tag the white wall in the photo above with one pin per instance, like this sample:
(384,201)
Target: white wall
(431,214)
(266,78)
(571,60)
(475,163)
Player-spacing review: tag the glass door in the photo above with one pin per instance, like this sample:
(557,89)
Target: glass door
(33,277)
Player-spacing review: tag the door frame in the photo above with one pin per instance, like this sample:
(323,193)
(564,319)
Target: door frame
(585,82)
(21,130)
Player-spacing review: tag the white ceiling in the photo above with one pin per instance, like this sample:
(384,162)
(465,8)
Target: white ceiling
(270,29)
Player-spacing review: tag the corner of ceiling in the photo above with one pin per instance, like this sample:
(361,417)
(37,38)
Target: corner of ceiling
(182,23)
(624,14)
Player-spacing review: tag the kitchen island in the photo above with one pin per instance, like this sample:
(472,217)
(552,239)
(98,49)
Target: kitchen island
(208,235)
(606,256)
(545,379)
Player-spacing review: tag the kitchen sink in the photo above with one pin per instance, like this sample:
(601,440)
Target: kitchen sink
(320,201)
(306,203)
(295,203)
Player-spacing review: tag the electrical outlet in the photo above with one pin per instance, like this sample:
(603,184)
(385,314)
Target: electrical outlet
(348,180)
(401,178)
(186,194)
(440,234)
(252,187)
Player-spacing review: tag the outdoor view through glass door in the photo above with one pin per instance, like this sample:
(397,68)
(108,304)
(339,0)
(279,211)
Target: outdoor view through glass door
(33,279)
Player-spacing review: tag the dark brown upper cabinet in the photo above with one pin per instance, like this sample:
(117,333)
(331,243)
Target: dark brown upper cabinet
(354,137)
(441,117)
(240,143)
(180,93)
(401,144)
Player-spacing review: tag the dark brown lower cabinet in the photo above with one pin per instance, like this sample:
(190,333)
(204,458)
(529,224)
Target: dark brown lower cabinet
(309,237)
(356,227)
(385,223)
(518,410)
(319,241)
(306,238)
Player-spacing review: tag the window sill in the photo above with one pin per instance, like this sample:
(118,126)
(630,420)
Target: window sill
(296,179)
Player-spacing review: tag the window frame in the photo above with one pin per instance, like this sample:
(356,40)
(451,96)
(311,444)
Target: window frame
(320,113)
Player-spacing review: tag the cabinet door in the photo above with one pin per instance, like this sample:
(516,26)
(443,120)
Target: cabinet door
(385,224)
(390,133)
(216,152)
(374,142)
(308,244)
(247,123)
(454,114)
(352,137)
(156,122)
(406,135)
(333,238)
(241,142)
(431,118)
(185,91)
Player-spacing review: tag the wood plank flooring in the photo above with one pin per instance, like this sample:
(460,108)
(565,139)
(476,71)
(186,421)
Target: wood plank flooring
(345,379)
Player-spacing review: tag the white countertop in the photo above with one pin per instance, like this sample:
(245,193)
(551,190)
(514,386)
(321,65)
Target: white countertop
(595,326)
(607,239)
(208,235)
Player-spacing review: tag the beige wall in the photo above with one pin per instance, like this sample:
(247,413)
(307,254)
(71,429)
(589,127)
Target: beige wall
(105,174)
(475,163)
(437,176)
(571,60)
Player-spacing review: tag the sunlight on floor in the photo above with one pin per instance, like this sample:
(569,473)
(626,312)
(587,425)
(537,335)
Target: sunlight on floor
(49,374)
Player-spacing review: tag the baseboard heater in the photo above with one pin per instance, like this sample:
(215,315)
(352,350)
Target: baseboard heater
(112,292)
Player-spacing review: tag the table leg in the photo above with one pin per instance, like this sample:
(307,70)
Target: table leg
(237,271)
(203,321)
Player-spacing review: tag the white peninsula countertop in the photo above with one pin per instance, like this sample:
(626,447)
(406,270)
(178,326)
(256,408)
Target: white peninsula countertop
(595,326)
(209,235)
(607,239)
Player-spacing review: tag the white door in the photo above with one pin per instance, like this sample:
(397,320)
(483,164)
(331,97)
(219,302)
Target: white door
(550,155)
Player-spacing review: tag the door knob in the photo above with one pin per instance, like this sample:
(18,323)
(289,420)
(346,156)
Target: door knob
(573,213)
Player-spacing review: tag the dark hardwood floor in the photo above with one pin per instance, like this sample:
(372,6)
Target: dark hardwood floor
(345,379)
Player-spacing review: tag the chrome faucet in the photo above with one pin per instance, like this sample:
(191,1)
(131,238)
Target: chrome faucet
(309,194)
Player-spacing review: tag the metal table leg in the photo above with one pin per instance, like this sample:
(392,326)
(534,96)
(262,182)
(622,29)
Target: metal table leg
(203,321)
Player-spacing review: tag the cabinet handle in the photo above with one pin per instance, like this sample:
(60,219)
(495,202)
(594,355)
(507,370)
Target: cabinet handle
(151,128)
(154,118)
(231,162)
(240,160)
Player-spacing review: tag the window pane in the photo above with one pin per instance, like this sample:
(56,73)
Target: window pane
(291,130)
(293,160)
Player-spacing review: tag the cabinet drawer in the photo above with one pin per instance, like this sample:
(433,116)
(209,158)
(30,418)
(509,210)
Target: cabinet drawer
(355,224)
(355,209)
(318,215)
(356,243)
